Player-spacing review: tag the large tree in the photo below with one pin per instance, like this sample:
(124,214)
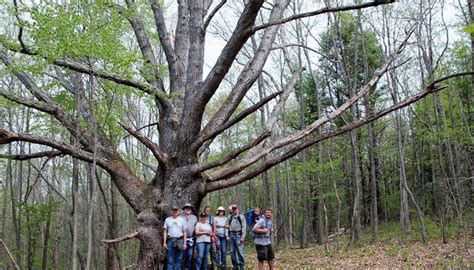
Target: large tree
(180,95)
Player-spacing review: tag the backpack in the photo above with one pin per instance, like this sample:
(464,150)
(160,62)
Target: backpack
(251,220)
(239,218)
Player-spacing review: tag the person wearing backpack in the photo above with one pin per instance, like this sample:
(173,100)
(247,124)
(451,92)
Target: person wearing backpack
(210,221)
(237,226)
(263,230)
(252,216)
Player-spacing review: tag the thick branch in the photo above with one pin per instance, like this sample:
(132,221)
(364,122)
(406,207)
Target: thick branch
(239,36)
(145,47)
(267,129)
(249,74)
(121,239)
(235,153)
(242,115)
(322,11)
(128,184)
(431,88)
(49,154)
(256,156)
(165,41)
(9,137)
(81,68)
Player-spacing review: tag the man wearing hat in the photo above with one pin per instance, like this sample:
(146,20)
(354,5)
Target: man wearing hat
(174,234)
(190,221)
(237,229)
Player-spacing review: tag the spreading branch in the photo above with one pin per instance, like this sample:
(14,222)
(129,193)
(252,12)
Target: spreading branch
(431,88)
(9,137)
(213,13)
(106,75)
(239,36)
(145,47)
(48,154)
(261,153)
(153,147)
(165,40)
(121,239)
(268,126)
(242,115)
(322,11)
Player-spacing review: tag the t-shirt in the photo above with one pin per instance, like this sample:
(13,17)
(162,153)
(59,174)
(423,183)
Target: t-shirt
(220,226)
(263,239)
(174,226)
(191,221)
(204,238)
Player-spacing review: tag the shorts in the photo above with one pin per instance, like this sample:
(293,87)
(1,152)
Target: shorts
(265,253)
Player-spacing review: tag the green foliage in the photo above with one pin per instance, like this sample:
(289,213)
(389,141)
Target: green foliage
(469,29)
(82,30)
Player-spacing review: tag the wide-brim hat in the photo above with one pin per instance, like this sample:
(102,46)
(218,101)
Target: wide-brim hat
(187,205)
(220,208)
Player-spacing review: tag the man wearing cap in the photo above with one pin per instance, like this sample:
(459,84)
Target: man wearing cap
(190,221)
(221,232)
(237,229)
(174,234)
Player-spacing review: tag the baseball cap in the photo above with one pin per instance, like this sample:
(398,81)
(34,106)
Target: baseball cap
(188,205)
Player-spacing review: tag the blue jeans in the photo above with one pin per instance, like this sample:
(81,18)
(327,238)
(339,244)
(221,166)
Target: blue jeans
(221,254)
(236,251)
(188,254)
(203,252)
(174,256)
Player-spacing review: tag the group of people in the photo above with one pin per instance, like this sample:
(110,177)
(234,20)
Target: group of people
(184,234)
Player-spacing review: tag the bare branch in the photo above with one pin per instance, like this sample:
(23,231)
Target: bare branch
(239,36)
(121,239)
(213,13)
(267,129)
(10,256)
(242,115)
(153,147)
(261,153)
(9,137)
(431,88)
(235,153)
(145,47)
(322,11)
(165,41)
(249,74)
(48,154)
(74,66)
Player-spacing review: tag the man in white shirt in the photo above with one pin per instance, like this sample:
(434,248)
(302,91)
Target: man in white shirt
(174,234)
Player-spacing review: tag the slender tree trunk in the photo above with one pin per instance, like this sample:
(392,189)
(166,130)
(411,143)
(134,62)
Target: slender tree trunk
(44,262)
(75,212)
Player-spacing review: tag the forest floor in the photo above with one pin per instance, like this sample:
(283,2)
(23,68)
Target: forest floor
(387,252)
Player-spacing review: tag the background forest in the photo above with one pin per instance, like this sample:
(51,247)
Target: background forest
(405,178)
